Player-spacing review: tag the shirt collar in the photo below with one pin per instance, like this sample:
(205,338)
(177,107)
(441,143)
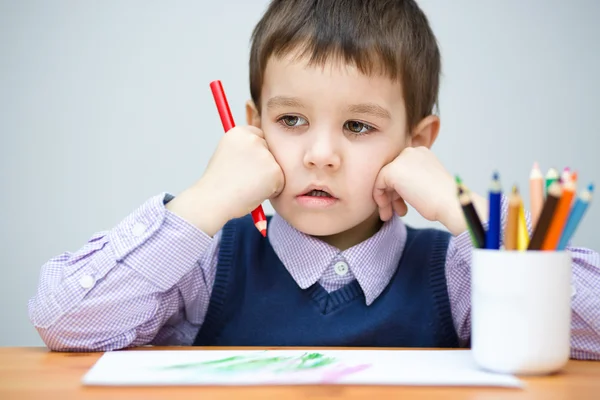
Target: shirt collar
(373,261)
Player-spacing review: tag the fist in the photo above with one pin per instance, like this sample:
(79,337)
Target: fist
(242,172)
(418,178)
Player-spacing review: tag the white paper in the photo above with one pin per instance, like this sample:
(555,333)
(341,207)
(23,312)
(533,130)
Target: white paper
(292,367)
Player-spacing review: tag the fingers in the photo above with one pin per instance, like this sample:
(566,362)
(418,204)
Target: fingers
(259,133)
(381,186)
(246,132)
(383,199)
(279,185)
(387,198)
(399,206)
(256,131)
(382,194)
(384,203)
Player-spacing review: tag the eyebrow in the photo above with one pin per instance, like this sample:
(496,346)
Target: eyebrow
(363,108)
(283,101)
(370,109)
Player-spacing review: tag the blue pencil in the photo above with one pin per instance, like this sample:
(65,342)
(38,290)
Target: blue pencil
(492,238)
(575,216)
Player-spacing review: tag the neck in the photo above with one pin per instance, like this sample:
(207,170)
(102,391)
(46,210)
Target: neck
(355,235)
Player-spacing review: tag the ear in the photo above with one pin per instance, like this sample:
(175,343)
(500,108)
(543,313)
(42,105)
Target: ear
(425,132)
(252,114)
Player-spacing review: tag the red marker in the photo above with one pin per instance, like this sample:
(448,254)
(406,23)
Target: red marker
(258,215)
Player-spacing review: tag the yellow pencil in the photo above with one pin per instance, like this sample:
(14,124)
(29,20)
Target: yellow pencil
(512,223)
(522,233)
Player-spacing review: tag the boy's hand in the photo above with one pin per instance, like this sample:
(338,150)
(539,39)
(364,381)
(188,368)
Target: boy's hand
(418,178)
(241,174)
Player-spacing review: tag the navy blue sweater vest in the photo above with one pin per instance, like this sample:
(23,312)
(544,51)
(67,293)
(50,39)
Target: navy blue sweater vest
(256,302)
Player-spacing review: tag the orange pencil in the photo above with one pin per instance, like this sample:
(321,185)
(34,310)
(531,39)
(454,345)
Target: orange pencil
(536,193)
(561,214)
(512,224)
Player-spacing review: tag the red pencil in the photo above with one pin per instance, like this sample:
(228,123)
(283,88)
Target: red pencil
(258,215)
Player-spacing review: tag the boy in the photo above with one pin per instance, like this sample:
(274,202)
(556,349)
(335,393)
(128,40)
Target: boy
(340,129)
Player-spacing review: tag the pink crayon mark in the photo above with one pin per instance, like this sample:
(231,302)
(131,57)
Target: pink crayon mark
(336,374)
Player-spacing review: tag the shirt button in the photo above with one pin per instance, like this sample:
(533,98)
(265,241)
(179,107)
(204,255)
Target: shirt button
(87,281)
(341,268)
(138,229)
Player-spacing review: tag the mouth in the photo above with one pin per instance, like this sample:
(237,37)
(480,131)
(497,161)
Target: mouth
(317,197)
(317,191)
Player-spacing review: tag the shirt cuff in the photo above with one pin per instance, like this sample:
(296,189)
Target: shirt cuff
(158,244)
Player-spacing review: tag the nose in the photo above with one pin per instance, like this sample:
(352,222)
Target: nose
(323,152)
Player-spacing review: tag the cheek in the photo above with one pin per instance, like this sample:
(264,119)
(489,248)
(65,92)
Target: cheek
(370,164)
(365,173)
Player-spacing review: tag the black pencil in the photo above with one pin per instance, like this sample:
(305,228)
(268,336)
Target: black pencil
(541,229)
(471,217)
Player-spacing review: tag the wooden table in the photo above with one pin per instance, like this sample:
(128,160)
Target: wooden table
(36,373)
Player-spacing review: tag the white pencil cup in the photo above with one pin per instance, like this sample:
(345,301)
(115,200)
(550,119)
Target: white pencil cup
(521,310)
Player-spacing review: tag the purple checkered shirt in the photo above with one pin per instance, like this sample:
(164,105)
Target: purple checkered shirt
(149,280)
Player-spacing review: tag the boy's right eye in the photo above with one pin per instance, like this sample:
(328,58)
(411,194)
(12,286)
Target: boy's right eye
(290,121)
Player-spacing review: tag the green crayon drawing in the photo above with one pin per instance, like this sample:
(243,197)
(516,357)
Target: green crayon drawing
(261,361)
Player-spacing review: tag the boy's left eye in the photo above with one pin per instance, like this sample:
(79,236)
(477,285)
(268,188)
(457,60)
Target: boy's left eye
(357,127)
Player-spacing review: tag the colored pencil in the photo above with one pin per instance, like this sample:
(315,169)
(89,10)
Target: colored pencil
(459,181)
(561,214)
(522,232)
(541,229)
(473,221)
(551,176)
(492,238)
(575,216)
(258,215)
(536,193)
(512,222)
(566,174)
(460,185)
(574,177)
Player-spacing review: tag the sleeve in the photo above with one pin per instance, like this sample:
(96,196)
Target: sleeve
(146,281)
(585,322)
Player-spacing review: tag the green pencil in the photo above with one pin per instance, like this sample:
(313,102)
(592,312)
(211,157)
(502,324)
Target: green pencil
(551,177)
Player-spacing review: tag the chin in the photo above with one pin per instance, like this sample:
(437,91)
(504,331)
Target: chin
(323,223)
(318,225)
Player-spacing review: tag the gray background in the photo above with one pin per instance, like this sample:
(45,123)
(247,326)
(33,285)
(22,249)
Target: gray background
(106,103)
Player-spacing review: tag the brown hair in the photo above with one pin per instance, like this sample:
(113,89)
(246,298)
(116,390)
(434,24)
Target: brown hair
(389,37)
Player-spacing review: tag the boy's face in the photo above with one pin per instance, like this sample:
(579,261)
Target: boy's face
(330,128)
